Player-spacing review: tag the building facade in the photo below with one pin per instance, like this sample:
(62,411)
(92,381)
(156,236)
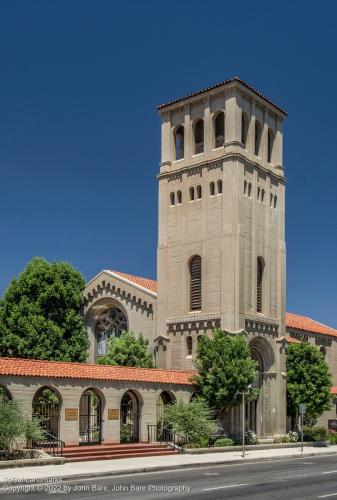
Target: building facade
(220,264)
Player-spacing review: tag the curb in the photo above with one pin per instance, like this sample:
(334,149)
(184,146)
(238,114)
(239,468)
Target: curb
(142,470)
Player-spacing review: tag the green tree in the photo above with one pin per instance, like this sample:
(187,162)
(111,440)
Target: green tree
(308,381)
(194,420)
(224,367)
(40,314)
(16,425)
(128,350)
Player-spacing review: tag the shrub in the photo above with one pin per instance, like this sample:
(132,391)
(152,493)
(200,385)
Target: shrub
(291,437)
(251,438)
(314,433)
(194,420)
(332,436)
(224,442)
(16,425)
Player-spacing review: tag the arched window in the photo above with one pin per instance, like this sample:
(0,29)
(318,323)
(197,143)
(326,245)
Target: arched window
(192,193)
(270,145)
(271,199)
(179,142)
(110,324)
(179,197)
(219,186)
(244,187)
(199,137)
(244,129)
(198,192)
(249,189)
(258,193)
(275,201)
(195,283)
(219,130)
(189,345)
(262,195)
(259,284)
(257,137)
(212,189)
(172,198)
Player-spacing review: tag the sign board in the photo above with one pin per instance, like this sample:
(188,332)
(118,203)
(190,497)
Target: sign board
(113,413)
(332,424)
(71,414)
(303,408)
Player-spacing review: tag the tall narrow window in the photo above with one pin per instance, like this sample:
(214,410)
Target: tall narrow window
(191,193)
(199,137)
(219,130)
(270,145)
(249,189)
(244,187)
(172,199)
(262,195)
(179,197)
(195,283)
(257,138)
(179,142)
(189,345)
(244,129)
(212,189)
(219,186)
(275,201)
(259,284)
(199,192)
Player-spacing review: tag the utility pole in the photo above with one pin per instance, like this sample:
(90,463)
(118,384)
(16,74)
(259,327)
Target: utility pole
(243,393)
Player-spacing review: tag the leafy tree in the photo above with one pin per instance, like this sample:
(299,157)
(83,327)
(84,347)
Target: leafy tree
(308,381)
(16,425)
(194,420)
(40,314)
(224,367)
(128,350)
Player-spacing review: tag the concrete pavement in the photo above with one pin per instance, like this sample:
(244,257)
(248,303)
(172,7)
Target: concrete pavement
(161,463)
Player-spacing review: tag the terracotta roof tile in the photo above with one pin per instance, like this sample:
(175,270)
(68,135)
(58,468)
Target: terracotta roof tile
(309,325)
(225,82)
(59,369)
(291,340)
(333,389)
(138,280)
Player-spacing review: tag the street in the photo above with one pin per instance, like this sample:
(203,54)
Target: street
(307,478)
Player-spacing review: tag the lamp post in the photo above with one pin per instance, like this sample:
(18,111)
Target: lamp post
(243,393)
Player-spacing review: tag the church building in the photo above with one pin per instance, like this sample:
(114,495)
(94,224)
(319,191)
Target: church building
(221,263)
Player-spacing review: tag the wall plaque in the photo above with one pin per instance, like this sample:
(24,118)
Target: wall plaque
(71,414)
(113,413)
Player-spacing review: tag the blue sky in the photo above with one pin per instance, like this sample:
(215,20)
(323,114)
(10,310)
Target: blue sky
(79,132)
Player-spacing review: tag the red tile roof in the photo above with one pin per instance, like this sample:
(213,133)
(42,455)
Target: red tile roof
(138,280)
(333,389)
(307,324)
(60,369)
(291,340)
(231,80)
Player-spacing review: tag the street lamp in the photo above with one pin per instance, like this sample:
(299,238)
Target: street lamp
(243,393)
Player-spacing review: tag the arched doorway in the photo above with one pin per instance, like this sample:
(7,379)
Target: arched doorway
(90,423)
(47,407)
(253,406)
(129,418)
(165,398)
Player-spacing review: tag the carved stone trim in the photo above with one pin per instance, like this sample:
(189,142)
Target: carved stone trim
(259,326)
(193,326)
(192,318)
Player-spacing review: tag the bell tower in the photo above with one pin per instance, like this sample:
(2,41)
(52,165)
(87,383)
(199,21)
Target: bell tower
(221,234)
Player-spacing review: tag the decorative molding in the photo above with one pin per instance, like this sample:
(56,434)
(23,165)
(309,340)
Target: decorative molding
(263,326)
(193,317)
(193,325)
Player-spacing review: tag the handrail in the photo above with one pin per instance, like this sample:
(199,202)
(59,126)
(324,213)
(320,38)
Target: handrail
(53,444)
(159,434)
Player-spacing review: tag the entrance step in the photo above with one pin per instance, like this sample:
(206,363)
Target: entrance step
(110,452)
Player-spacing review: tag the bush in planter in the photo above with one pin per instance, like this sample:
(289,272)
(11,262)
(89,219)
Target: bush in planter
(251,438)
(224,442)
(314,433)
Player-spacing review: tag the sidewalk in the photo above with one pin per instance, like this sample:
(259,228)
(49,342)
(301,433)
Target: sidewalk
(148,464)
